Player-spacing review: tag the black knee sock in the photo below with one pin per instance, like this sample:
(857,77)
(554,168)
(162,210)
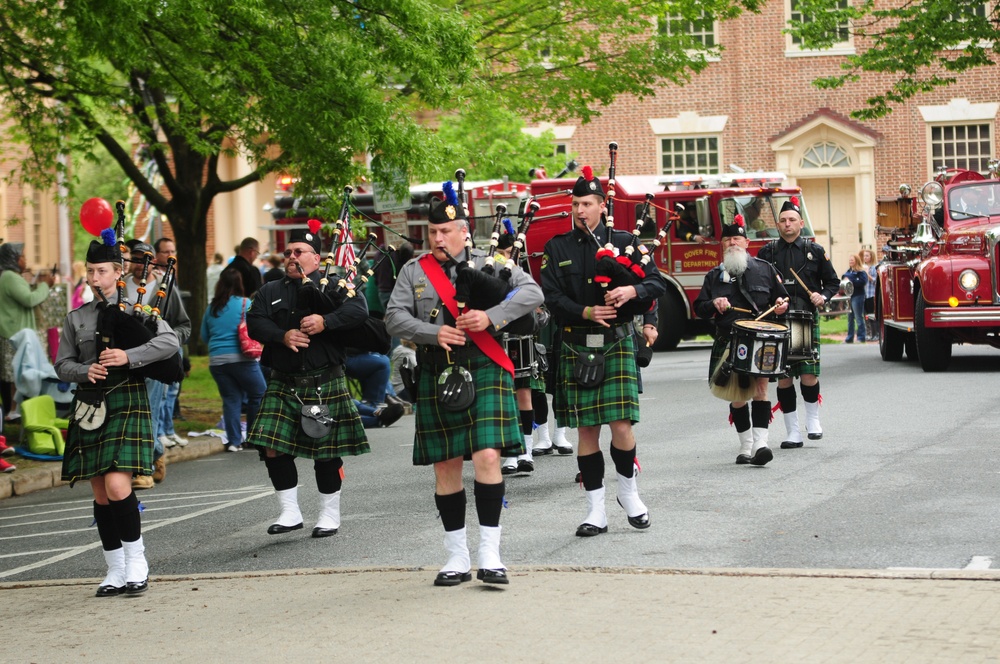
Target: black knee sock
(489,503)
(540,404)
(126,513)
(591,470)
(329,477)
(281,470)
(786,397)
(452,510)
(741,417)
(527,421)
(624,461)
(810,393)
(760,414)
(107,529)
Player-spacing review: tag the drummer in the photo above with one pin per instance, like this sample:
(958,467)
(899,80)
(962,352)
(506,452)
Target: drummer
(742,287)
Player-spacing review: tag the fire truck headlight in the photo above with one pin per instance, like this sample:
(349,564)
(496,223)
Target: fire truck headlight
(968,280)
(932,194)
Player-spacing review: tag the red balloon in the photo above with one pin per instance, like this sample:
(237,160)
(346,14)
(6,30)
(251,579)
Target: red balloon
(95,216)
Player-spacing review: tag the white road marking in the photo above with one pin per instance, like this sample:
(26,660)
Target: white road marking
(979,562)
(34,553)
(75,551)
(975,563)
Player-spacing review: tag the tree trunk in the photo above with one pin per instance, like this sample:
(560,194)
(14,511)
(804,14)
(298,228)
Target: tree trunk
(191,239)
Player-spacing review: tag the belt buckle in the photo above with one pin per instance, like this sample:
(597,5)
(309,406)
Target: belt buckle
(594,341)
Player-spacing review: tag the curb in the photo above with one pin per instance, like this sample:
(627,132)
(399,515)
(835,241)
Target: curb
(23,482)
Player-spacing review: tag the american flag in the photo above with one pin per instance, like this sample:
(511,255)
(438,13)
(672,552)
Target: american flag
(345,251)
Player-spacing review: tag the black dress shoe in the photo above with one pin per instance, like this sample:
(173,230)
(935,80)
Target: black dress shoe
(742,459)
(508,470)
(136,587)
(791,445)
(564,450)
(452,578)
(278,529)
(641,522)
(525,466)
(589,530)
(498,576)
(109,591)
(542,451)
(324,532)
(762,456)
(815,436)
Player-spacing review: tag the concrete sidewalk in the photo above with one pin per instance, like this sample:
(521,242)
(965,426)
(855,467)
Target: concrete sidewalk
(544,615)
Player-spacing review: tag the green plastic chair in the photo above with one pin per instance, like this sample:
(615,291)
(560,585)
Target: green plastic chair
(41,427)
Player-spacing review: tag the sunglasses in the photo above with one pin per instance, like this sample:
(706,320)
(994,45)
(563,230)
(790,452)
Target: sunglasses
(297,252)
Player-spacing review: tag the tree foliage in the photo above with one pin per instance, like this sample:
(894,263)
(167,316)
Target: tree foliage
(923,44)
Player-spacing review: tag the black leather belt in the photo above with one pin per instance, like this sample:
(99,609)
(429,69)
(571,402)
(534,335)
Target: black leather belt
(437,356)
(311,380)
(579,335)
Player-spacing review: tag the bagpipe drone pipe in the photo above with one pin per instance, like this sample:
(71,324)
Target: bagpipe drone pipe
(326,297)
(117,328)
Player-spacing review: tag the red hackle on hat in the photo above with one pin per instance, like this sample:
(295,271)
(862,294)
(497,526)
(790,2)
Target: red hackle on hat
(588,173)
(314,225)
(738,220)
(794,200)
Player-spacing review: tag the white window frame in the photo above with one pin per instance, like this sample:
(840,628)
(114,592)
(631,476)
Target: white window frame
(959,112)
(793,50)
(714,52)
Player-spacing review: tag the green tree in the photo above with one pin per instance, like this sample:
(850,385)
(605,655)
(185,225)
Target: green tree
(488,142)
(922,45)
(301,87)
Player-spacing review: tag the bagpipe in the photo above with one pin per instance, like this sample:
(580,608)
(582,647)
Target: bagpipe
(626,268)
(117,328)
(327,296)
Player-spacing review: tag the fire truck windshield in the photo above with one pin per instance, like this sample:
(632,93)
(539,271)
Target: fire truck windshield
(978,200)
(760,213)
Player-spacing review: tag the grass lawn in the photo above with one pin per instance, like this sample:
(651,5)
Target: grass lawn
(201,405)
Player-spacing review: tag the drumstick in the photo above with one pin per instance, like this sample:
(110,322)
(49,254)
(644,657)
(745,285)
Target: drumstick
(742,311)
(766,312)
(801,283)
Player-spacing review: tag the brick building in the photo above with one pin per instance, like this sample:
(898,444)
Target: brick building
(755,107)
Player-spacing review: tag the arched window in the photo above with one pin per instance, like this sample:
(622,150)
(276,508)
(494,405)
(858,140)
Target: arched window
(825,155)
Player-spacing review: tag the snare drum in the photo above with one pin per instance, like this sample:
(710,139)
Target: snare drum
(521,351)
(800,326)
(759,348)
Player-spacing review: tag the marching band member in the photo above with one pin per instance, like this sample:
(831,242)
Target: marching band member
(792,252)
(110,435)
(307,410)
(596,339)
(742,282)
(465,390)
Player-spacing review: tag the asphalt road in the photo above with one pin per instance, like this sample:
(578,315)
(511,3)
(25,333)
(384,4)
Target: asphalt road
(904,477)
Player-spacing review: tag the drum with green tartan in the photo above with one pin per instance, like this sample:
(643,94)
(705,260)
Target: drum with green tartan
(798,368)
(615,399)
(490,423)
(124,443)
(278,427)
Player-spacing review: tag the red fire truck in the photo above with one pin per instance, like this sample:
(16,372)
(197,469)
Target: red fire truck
(291,211)
(939,282)
(703,203)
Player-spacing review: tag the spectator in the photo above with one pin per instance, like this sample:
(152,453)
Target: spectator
(82,293)
(276,273)
(212,273)
(372,371)
(238,377)
(403,355)
(858,276)
(18,300)
(243,262)
(373,417)
(868,259)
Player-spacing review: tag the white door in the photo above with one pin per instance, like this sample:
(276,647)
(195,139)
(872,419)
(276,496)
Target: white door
(830,204)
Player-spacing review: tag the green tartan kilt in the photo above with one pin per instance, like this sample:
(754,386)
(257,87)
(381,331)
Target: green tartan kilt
(797,368)
(616,398)
(277,425)
(124,443)
(491,423)
(718,349)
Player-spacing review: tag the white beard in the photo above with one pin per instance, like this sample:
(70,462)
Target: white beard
(734,261)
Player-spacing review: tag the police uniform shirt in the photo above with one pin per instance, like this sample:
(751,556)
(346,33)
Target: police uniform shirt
(274,310)
(78,345)
(569,267)
(761,282)
(809,261)
(415,311)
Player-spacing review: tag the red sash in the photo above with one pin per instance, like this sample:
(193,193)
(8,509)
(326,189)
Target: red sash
(446,291)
